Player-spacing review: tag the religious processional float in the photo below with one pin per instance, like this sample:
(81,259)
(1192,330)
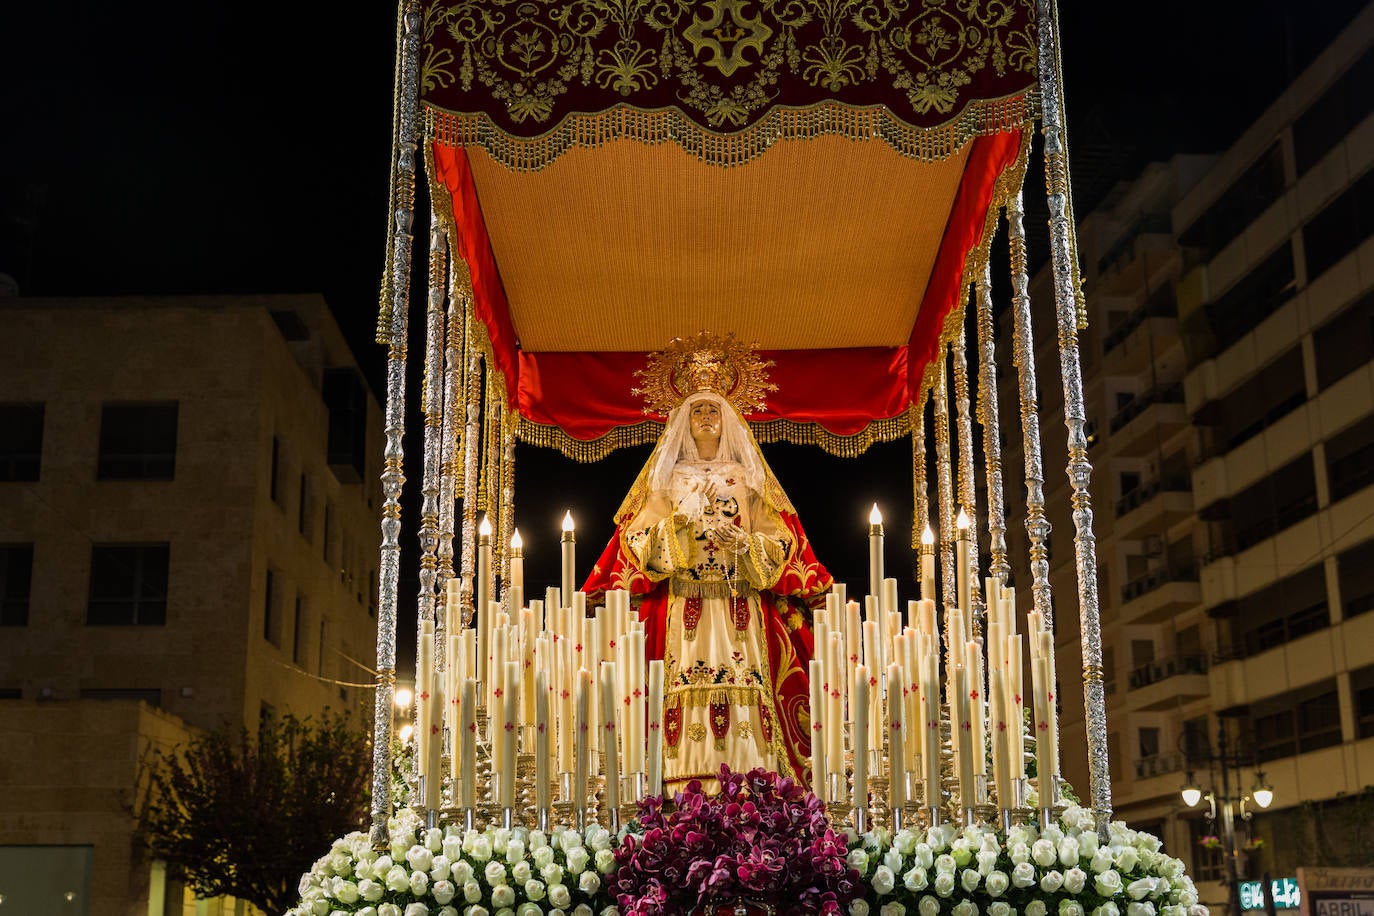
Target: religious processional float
(825,179)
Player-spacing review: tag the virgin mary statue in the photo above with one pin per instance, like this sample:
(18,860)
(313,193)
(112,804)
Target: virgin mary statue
(710,547)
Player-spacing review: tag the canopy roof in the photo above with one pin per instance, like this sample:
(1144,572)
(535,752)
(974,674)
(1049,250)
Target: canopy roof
(811,177)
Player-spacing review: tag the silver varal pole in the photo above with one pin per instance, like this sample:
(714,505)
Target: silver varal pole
(392,477)
(1063,259)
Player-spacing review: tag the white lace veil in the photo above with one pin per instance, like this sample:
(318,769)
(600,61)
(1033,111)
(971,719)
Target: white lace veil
(677,444)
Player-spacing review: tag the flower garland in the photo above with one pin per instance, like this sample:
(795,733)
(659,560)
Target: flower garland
(495,872)
(1061,871)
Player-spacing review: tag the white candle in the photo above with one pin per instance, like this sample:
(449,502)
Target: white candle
(930,714)
(569,555)
(610,751)
(1044,756)
(481,596)
(467,738)
(582,725)
(637,689)
(1015,707)
(888,599)
(973,671)
(896,715)
(495,688)
(911,697)
(928,564)
(454,676)
(875,551)
(1051,687)
(818,703)
(543,796)
(1001,740)
(853,647)
(517,561)
(835,672)
(873,661)
(655,729)
(510,715)
(961,570)
(528,636)
(567,704)
(964,733)
(424,687)
(553,598)
(861,738)
(434,724)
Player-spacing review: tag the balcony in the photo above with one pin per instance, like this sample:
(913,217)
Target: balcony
(1126,352)
(1143,249)
(1159,595)
(1155,776)
(1147,420)
(1165,683)
(1151,508)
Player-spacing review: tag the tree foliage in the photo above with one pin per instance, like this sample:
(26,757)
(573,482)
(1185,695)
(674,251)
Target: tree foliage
(246,816)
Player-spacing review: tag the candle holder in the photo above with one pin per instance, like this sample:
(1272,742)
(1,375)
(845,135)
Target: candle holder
(1054,806)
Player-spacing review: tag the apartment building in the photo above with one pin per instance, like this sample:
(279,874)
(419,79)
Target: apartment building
(188,521)
(1230,386)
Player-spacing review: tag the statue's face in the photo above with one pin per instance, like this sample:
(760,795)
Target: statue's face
(705,419)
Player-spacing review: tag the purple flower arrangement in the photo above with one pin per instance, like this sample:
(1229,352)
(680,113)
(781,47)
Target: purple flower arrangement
(762,839)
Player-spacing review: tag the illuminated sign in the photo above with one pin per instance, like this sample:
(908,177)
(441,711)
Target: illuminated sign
(1284,891)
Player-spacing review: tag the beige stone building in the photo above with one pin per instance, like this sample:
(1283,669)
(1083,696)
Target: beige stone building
(1230,384)
(188,521)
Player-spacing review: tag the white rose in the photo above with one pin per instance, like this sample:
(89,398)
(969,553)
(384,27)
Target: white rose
(388,909)
(1074,880)
(417,909)
(577,860)
(529,909)
(929,906)
(515,852)
(1044,853)
(1173,910)
(1087,844)
(1140,908)
(420,858)
(476,911)
(503,896)
(560,896)
(893,860)
(419,883)
(461,872)
(534,890)
(945,863)
(370,890)
(883,880)
(610,911)
(1107,909)
(858,860)
(1070,908)
(1108,884)
(923,855)
(346,892)
(520,871)
(589,882)
(892,909)
(542,856)
(858,908)
(605,860)
(569,840)
(1140,888)
(453,847)
(1023,875)
(1102,859)
(440,870)
(599,839)
(944,883)
(367,911)
(551,873)
(997,883)
(1018,853)
(381,866)
(965,908)
(1035,908)
(905,842)
(472,891)
(969,880)
(397,879)
(1068,851)
(1000,908)
(481,849)
(1051,881)
(962,851)
(915,880)
(495,873)
(987,861)
(538,840)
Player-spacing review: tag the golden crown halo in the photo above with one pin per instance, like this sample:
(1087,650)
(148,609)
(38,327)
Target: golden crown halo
(705,362)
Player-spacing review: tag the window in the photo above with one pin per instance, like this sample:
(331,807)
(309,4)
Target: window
(1252,298)
(327,535)
(16,580)
(21,441)
(1362,687)
(1289,608)
(1108,667)
(128,585)
(150,695)
(138,441)
(1275,503)
(1238,206)
(345,395)
(1149,742)
(1297,722)
(1262,400)
(274,485)
(303,511)
(1344,343)
(271,613)
(1345,104)
(1340,227)
(1355,571)
(1350,459)
(319,648)
(298,632)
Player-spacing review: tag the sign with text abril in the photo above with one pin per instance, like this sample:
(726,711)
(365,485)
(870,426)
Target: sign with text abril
(1336,891)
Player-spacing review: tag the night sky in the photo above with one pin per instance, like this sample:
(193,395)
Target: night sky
(209,147)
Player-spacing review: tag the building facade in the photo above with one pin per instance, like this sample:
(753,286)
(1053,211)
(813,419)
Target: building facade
(1230,387)
(188,520)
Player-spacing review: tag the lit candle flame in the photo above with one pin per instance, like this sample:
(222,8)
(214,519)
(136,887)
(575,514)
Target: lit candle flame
(875,517)
(568,521)
(927,536)
(484,529)
(404,698)
(962,521)
(515,542)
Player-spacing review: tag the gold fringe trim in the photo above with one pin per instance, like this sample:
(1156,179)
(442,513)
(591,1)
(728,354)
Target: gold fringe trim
(714,588)
(647,432)
(662,125)
(695,695)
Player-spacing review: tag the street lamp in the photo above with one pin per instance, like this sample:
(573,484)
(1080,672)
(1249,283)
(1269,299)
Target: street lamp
(1262,794)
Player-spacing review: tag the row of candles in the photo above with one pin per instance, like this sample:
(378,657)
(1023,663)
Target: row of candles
(574,691)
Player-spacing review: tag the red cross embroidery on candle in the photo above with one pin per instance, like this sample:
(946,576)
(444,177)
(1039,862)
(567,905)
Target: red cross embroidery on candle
(638,693)
(1050,696)
(564,694)
(472,726)
(578,647)
(540,726)
(610,726)
(434,729)
(497,693)
(1001,726)
(873,682)
(627,701)
(510,726)
(896,726)
(612,643)
(1018,699)
(653,726)
(854,659)
(424,695)
(973,695)
(1043,726)
(968,726)
(815,726)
